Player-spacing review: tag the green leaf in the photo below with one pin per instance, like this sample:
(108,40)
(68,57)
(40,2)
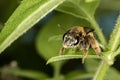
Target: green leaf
(112,74)
(116,52)
(84,9)
(25,73)
(78,75)
(24,17)
(105,6)
(66,57)
(79,8)
(1,26)
(55,38)
(115,37)
(91,65)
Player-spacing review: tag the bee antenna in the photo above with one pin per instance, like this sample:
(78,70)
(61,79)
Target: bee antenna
(61,27)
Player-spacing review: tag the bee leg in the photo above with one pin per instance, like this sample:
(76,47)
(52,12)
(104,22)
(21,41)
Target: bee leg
(86,46)
(62,51)
(84,55)
(81,47)
(94,44)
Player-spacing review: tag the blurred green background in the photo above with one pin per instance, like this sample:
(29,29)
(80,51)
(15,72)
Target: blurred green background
(24,50)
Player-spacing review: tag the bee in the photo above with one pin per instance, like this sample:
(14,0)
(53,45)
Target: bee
(82,38)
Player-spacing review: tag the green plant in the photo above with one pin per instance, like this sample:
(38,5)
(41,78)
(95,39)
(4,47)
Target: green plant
(48,42)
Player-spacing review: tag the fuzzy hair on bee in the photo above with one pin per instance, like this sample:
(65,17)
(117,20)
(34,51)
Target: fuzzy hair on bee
(82,38)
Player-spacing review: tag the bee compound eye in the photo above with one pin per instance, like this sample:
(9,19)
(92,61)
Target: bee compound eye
(73,41)
(70,41)
(66,38)
(76,41)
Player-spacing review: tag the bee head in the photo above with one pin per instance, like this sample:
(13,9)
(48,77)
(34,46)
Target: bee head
(70,40)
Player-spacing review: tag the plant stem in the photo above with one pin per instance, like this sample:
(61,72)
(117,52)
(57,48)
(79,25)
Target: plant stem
(57,68)
(97,30)
(116,52)
(112,46)
(101,71)
(115,37)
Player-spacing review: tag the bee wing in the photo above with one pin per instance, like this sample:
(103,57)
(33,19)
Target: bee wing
(93,43)
(88,30)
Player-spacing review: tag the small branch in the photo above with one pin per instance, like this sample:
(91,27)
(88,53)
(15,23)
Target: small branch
(57,68)
(101,71)
(116,52)
(115,37)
